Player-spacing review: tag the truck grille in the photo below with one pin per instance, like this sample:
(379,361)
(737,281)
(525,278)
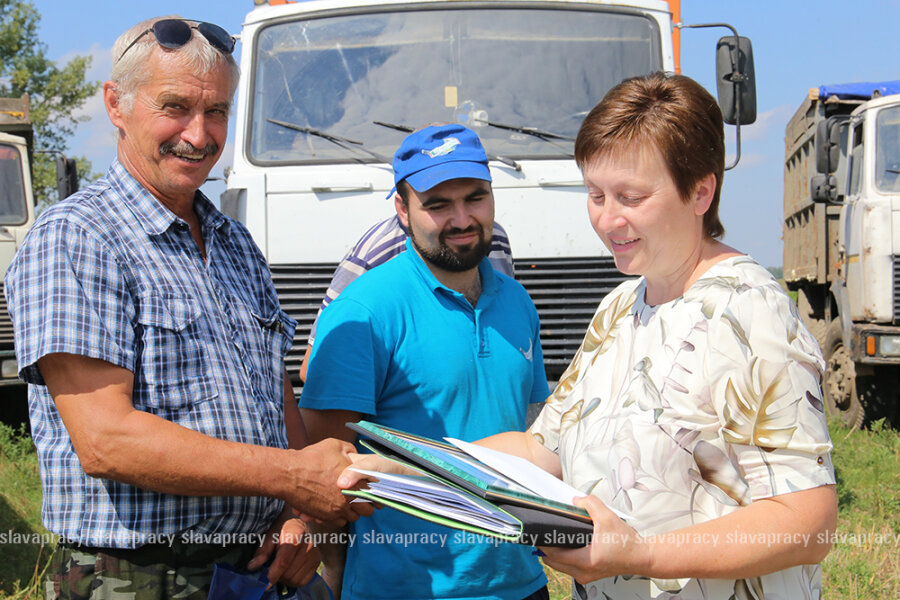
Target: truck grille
(6,328)
(300,290)
(565,291)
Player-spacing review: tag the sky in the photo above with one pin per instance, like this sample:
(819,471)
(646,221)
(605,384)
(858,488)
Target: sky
(797,44)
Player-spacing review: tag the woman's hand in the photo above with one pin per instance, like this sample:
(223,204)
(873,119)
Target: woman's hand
(615,548)
(368,462)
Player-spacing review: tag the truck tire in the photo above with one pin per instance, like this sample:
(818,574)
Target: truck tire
(817,327)
(840,386)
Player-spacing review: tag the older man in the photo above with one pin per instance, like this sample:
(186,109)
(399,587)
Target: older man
(436,342)
(149,329)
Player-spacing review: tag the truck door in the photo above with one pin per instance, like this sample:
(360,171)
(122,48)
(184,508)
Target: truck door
(853,240)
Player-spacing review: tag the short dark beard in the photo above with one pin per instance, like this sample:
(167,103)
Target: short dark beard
(445,258)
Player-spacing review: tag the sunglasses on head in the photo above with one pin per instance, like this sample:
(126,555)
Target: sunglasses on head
(175,33)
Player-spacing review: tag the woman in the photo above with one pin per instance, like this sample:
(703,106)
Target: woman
(693,406)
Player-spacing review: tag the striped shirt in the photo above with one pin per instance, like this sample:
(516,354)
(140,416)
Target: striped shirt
(385,240)
(111,274)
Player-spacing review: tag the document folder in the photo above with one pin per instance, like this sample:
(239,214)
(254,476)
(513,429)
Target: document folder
(496,495)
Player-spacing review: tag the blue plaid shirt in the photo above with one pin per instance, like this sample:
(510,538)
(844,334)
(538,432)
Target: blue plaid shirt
(110,273)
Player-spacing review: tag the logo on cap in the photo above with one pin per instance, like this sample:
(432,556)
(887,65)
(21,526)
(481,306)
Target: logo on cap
(447,147)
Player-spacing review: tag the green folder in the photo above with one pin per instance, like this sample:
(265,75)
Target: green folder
(459,491)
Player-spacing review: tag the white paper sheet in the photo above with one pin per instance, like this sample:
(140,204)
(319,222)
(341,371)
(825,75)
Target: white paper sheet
(440,500)
(523,472)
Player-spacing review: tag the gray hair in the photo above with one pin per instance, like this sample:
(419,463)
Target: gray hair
(129,72)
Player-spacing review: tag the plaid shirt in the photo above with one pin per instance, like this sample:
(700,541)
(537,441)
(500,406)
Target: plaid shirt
(385,240)
(110,273)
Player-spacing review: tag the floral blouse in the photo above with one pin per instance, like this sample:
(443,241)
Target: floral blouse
(683,412)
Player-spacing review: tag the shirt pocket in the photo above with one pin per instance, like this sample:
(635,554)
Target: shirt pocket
(173,369)
(274,336)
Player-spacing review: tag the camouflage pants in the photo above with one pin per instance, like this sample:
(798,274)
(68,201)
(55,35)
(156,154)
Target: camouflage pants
(144,574)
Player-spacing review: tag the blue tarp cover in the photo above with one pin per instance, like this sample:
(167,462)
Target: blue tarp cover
(862,90)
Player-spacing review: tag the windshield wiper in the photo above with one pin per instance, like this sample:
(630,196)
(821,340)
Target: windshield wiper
(407,129)
(538,133)
(403,128)
(546,136)
(334,139)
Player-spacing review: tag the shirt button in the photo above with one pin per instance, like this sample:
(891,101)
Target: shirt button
(820,460)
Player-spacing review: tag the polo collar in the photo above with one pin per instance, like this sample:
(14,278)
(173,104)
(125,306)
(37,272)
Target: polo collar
(490,283)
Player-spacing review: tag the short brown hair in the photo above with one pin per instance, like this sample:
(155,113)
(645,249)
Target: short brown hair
(672,113)
(403,191)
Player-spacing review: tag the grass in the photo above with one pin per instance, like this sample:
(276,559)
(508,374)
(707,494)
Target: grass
(865,559)
(25,546)
(864,562)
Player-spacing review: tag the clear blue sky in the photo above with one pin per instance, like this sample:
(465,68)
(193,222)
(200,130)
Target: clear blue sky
(797,44)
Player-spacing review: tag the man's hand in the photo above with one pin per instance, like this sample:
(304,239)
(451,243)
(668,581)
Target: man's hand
(315,492)
(296,557)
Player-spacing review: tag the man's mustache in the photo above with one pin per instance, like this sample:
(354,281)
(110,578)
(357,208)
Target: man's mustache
(183,148)
(458,231)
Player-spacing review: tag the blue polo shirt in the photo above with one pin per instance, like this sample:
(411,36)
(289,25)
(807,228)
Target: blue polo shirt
(408,352)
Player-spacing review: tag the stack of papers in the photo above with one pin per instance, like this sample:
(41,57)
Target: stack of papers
(427,495)
(474,488)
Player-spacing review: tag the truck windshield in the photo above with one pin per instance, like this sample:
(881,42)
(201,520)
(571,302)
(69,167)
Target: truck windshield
(13,208)
(521,68)
(887,158)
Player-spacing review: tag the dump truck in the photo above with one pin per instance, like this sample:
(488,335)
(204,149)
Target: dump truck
(330,88)
(17,211)
(842,240)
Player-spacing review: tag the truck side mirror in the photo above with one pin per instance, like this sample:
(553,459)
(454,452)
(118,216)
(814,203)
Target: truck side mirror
(736,80)
(823,188)
(828,145)
(66,176)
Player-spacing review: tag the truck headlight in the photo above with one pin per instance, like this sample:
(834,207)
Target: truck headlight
(889,345)
(9,368)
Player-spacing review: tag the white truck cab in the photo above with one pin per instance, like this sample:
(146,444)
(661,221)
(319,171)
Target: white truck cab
(330,88)
(17,213)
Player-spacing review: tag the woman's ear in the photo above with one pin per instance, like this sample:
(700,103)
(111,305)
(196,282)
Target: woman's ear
(703,194)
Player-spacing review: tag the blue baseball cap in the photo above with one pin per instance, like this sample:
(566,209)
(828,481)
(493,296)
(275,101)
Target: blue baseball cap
(438,153)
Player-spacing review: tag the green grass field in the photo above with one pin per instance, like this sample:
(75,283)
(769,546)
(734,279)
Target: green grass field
(864,563)
(20,515)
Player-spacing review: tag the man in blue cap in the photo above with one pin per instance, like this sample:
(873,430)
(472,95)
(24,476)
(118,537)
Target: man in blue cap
(438,343)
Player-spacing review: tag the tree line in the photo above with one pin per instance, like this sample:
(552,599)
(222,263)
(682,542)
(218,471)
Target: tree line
(56,92)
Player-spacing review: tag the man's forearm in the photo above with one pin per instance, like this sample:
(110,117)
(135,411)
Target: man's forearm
(115,441)
(332,545)
(293,423)
(147,451)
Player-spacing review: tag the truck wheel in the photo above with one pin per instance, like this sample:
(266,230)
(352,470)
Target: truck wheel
(841,397)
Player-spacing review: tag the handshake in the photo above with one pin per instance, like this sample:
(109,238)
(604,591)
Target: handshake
(315,479)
